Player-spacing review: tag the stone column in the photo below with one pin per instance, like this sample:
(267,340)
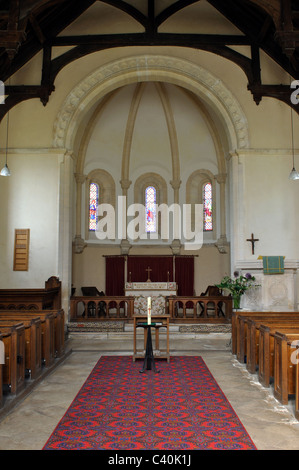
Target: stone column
(125,245)
(176,243)
(222,241)
(65,230)
(79,243)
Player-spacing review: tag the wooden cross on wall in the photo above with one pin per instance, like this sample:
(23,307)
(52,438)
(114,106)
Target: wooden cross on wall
(148,270)
(252,240)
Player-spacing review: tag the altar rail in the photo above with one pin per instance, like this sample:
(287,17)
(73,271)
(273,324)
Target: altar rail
(216,309)
(207,309)
(101,308)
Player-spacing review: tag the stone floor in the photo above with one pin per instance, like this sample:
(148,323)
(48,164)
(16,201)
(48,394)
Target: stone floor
(29,424)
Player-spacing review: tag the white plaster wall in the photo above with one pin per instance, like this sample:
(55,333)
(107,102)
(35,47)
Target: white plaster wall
(29,198)
(270,206)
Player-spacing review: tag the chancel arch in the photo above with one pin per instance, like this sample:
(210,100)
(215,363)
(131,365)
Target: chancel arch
(151,68)
(161,119)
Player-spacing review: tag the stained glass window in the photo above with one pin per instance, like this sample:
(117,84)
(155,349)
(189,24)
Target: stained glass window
(207,207)
(93,204)
(150,208)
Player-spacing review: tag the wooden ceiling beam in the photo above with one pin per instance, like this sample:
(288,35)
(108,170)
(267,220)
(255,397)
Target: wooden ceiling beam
(37,29)
(48,18)
(52,22)
(251,24)
(279,92)
(17,94)
(146,39)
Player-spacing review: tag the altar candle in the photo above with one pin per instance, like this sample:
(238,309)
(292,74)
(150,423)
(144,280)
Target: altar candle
(149,307)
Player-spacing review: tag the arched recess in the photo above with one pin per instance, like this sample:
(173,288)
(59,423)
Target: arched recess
(194,187)
(151,179)
(231,120)
(107,194)
(224,116)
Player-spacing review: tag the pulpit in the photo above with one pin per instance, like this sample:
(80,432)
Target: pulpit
(158,291)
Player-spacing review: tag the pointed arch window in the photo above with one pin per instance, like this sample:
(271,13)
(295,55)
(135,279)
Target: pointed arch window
(207,198)
(93,204)
(150,209)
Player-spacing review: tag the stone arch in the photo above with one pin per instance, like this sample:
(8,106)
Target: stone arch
(150,179)
(188,75)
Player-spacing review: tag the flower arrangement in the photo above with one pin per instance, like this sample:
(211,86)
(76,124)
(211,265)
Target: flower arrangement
(237,286)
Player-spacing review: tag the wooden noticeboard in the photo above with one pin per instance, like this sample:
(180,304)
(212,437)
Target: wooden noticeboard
(21,250)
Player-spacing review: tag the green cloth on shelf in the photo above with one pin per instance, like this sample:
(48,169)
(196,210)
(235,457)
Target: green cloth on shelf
(273,264)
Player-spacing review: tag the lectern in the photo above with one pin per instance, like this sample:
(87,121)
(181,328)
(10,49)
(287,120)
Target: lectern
(157,322)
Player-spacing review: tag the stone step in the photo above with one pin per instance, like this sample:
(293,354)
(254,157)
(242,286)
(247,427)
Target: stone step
(120,331)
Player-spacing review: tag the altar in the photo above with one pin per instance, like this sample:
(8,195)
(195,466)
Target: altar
(158,291)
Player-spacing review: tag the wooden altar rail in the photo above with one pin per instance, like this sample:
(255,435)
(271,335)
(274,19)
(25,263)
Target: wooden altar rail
(217,309)
(85,308)
(200,309)
(32,299)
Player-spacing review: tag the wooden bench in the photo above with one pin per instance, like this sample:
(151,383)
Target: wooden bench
(13,338)
(297,392)
(240,331)
(47,331)
(266,349)
(1,373)
(253,343)
(236,315)
(33,342)
(284,368)
(59,332)
(52,330)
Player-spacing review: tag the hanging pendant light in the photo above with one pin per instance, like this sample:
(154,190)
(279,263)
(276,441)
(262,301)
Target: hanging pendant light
(294,175)
(5,170)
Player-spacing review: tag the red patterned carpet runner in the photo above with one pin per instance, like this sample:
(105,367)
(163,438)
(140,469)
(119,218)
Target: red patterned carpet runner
(180,408)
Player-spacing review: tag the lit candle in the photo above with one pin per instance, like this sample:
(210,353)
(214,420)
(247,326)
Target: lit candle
(149,307)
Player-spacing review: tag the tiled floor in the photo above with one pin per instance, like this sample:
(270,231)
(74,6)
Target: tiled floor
(30,423)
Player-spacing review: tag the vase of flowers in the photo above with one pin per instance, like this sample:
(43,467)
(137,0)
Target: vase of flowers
(237,286)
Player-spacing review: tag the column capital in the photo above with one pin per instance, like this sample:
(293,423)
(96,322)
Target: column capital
(221,178)
(125,183)
(175,184)
(80,178)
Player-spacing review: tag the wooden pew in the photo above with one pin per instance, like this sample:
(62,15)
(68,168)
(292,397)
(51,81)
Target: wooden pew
(266,349)
(241,328)
(236,315)
(53,341)
(284,368)
(297,392)
(33,341)
(59,332)
(1,374)
(47,330)
(253,326)
(46,298)
(14,367)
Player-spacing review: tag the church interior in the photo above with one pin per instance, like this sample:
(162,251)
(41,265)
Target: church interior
(161,138)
